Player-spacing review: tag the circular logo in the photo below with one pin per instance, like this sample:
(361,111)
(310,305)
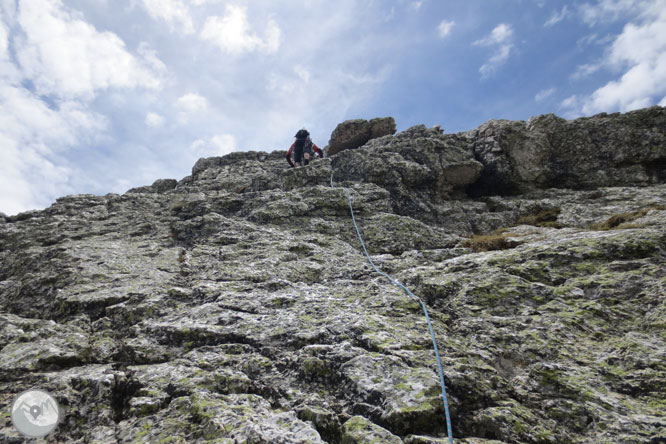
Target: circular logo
(35,413)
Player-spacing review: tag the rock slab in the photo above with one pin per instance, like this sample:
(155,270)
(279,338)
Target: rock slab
(237,305)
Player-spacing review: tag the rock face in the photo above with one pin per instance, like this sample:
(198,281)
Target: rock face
(355,133)
(547,151)
(236,305)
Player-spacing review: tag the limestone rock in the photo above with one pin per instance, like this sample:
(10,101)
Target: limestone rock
(420,168)
(381,126)
(237,305)
(159,186)
(352,134)
(547,151)
(359,430)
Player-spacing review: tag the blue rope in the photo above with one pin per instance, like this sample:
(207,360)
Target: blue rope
(425,311)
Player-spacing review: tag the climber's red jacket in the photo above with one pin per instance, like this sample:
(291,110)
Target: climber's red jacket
(314,147)
(291,149)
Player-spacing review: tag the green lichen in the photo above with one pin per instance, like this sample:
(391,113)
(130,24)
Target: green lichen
(145,431)
(315,367)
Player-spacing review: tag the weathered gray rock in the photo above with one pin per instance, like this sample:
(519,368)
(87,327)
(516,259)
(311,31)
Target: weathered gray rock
(381,126)
(420,167)
(352,134)
(547,151)
(159,186)
(237,305)
(416,439)
(359,430)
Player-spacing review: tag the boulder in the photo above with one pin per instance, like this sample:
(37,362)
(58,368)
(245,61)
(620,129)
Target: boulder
(352,134)
(164,185)
(381,126)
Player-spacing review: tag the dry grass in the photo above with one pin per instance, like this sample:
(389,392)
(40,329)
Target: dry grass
(497,240)
(545,218)
(621,221)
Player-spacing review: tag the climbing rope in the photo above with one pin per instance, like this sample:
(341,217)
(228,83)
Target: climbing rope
(423,305)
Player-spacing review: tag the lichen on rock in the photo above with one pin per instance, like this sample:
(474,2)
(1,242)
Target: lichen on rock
(237,306)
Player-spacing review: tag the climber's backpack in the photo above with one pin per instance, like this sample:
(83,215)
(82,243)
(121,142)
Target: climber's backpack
(302,134)
(303,140)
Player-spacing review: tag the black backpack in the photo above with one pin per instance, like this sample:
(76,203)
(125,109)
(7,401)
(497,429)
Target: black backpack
(303,140)
(302,134)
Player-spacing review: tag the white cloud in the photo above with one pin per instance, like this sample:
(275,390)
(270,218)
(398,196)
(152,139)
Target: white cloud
(544,94)
(192,103)
(640,43)
(445,27)
(150,58)
(32,136)
(640,51)
(4,42)
(61,64)
(498,59)
(174,12)
(302,73)
(8,10)
(67,57)
(32,120)
(19,169)
(608,10)
(586,70)
(224,143)
(218,145)
(415,6)
(595,39)
(570,107)
(635,89)
(557,16)
(502,33)
(154,120)
(232,33)
(500,39)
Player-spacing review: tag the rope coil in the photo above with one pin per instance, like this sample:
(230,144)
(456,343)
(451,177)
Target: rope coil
(423,305)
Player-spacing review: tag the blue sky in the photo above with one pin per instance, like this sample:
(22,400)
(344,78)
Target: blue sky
(99,96)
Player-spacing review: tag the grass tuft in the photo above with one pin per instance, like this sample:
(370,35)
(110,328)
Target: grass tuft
(621,221)
(545,218)
(491,242)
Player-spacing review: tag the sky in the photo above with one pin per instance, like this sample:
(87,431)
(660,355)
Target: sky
(99,96)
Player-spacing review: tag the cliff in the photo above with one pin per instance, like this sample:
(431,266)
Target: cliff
(236,305)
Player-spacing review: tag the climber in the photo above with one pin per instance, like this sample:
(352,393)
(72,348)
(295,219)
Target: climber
(302,148)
